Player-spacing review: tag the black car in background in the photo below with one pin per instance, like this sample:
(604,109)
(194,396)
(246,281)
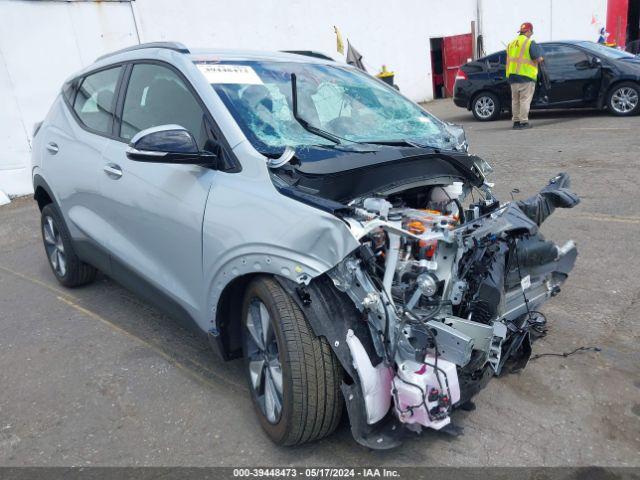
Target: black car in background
(580,74)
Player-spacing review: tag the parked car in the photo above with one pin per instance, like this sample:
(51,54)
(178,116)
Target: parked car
(581,75)
(633,47)
(306,217)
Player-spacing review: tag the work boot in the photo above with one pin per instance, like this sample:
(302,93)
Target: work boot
(516,125)
(524,125)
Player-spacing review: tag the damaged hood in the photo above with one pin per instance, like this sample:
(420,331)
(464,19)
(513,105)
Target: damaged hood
(342,175)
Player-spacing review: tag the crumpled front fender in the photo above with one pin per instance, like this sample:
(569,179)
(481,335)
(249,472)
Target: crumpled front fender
(284,238)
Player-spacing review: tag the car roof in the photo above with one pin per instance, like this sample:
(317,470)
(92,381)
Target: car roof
(206,54)
(151,50)
(159,50)
(549,42)
(569,42)
(163,50)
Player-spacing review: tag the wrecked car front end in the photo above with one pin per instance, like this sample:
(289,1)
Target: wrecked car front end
(441,295)
(440,286)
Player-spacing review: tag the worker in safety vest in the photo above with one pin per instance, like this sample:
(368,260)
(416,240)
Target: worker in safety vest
(523,57)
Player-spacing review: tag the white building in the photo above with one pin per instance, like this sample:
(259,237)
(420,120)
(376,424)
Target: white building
(43,42)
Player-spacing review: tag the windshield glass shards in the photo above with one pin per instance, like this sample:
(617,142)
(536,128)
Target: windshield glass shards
(332,100)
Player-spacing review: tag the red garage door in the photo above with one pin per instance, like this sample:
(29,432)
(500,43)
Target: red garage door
(456,51)
(617,11)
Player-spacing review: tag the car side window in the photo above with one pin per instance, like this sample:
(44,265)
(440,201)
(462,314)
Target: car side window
(562,60)
(94,103)
(155,96)
(497,59)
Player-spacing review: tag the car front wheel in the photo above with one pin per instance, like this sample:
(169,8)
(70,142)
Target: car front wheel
(69,270)
(486,107)
(294,377)
(624,99)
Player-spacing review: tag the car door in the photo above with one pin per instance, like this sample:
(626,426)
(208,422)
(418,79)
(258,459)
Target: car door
(155,211)
(574,78)
(72,160)
(496,66)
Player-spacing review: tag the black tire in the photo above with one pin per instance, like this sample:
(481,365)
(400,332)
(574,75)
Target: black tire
(310,373)
(75,272)
(486,107)
(623,100)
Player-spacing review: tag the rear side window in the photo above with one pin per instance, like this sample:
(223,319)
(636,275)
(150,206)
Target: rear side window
(155,96)
(497,59)
(94,103)
(473,67)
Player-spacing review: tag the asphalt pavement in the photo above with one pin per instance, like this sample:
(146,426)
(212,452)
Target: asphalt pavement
(95,376)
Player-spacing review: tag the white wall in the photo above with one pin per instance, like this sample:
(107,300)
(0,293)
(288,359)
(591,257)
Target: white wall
(552,20)
(41,44)
(380,30)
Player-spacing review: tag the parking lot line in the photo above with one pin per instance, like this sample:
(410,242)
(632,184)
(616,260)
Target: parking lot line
(200,373)
(599,217)
(198,376)
(585,128)
(37,282)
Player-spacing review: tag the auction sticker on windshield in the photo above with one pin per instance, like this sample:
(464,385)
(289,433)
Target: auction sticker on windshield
(235,74)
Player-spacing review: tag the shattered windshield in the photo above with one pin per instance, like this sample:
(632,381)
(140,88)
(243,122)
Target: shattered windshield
(342,101)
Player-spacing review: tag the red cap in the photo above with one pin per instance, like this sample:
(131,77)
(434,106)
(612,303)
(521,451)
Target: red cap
(526,27)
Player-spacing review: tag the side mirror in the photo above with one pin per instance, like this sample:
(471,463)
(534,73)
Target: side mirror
(593,62)
(168,144)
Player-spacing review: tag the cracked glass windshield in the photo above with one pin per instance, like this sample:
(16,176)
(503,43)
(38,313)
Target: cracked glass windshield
(340,101)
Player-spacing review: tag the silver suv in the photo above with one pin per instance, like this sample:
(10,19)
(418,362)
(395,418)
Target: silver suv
(306,217)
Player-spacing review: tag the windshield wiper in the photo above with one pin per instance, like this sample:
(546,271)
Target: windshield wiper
(403,142)
(306,125)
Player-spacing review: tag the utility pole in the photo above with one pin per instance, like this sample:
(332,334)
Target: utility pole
(550,19)
(477,46)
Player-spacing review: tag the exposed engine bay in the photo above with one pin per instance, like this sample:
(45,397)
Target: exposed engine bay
(447,283)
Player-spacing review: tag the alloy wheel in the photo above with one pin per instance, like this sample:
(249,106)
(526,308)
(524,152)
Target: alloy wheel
(54,247)
(485,106)
(265,369)
(624,100)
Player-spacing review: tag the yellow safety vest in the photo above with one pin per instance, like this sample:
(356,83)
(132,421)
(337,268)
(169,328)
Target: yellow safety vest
(519,60)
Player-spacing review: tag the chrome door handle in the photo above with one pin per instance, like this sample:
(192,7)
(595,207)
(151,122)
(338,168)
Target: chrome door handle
(52,148)
(112,170)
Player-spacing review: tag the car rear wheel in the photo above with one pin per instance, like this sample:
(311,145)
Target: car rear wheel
(624,99)
(69,270)
(294,377)
(486,107)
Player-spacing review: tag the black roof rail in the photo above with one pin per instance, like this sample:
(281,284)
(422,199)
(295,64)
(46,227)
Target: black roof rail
(175,46)
(309,53)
